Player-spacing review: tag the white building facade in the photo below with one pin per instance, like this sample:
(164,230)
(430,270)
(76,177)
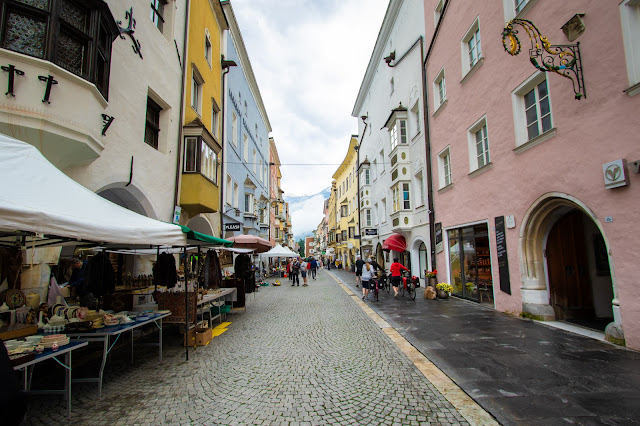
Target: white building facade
(394,214)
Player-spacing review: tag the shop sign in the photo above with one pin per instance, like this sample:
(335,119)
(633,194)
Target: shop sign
(232,226)
(177,210)
(503,261)
(438,231)
(615,174)
(370,231)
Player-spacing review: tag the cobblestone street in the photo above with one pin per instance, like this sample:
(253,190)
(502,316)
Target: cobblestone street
(297,356)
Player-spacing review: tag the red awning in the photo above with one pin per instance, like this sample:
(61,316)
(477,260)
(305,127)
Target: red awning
(395,242)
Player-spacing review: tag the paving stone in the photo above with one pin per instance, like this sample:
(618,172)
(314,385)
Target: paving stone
(294,357)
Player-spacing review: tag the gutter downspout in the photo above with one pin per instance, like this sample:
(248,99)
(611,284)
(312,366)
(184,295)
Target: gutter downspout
(223,181)
(180,120)
(427,130)
(364,132)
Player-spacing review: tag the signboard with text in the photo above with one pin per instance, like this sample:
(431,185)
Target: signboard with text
(231,226)
(501,251)
(370,231)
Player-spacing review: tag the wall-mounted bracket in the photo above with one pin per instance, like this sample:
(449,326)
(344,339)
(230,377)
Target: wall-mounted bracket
(106,122)
(563,60)
(130,30)
(12,70)
(50,82)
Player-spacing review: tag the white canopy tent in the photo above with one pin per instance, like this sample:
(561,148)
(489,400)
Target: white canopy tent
(40,203)
(279,251)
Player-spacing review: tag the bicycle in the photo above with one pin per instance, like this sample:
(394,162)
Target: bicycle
(383,282)
(408,285)
(374,287)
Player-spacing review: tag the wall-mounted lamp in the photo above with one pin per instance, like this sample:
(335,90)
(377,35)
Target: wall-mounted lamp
(390,58)
(226,64)
(364,118)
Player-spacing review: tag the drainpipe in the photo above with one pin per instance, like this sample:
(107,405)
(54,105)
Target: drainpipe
(180,120)
(364,132)
(223,180)
(427,131)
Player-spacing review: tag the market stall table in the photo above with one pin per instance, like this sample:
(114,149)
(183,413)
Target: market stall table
(104,334)
(48,354)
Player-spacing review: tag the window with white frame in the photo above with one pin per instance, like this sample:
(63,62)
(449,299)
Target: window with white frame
(157,13)
(519,5)
(471,47)
(366,217)
(440,90)
(532,109)
(245,147)
(199,157)
(344,212)
(630,18)
(419,189)
(415,118)
(374,169)
(383,210)
(478,139)
(196,90)
(248,203)
(444,168)
(207,46)
(401,197)
(262,175)
(367,177)
(381,161)
(229,190)
(236,193)
(255,162)
(234,128)
(215,117)
(398,133)
(437,12)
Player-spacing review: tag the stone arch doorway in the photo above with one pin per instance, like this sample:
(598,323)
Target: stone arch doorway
(129,197)
(200,224)
(565,264)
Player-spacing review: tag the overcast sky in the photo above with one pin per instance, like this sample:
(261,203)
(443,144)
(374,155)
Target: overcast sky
(309,58)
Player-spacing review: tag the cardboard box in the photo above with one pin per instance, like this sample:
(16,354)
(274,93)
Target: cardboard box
(198,336)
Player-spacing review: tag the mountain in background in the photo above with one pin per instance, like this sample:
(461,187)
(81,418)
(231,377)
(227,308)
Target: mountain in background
(306,212)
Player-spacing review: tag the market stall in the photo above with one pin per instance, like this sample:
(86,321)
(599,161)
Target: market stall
(40,207)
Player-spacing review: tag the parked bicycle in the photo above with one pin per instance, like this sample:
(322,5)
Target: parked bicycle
(409,285)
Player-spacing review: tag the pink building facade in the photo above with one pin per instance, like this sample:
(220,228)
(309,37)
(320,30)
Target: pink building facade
(536,194)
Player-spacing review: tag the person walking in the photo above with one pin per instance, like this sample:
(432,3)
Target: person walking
(295,270)
(314,268)
(359,265)
(395,269)
(289,269)
(304,268)
(367,275)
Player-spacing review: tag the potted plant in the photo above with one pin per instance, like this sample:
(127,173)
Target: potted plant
(432,277)
(443,290)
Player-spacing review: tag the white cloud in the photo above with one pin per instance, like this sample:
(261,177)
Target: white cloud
(309,58)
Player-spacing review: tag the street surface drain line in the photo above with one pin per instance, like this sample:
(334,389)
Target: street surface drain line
(462,402)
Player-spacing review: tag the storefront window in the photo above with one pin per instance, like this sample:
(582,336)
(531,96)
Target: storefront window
(422,252)
(470,263)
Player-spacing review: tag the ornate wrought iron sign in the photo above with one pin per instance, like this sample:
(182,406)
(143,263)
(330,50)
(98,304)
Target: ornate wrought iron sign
(12,70)
(106,122)
(129,31)
(563,60)
(47,92)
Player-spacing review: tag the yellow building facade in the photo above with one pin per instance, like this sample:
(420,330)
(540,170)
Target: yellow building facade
(202,120)
(346,208)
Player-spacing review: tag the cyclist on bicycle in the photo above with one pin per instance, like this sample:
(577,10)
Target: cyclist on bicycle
(396,279)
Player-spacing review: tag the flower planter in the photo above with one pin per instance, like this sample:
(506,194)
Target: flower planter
(433,281)
(442,294)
